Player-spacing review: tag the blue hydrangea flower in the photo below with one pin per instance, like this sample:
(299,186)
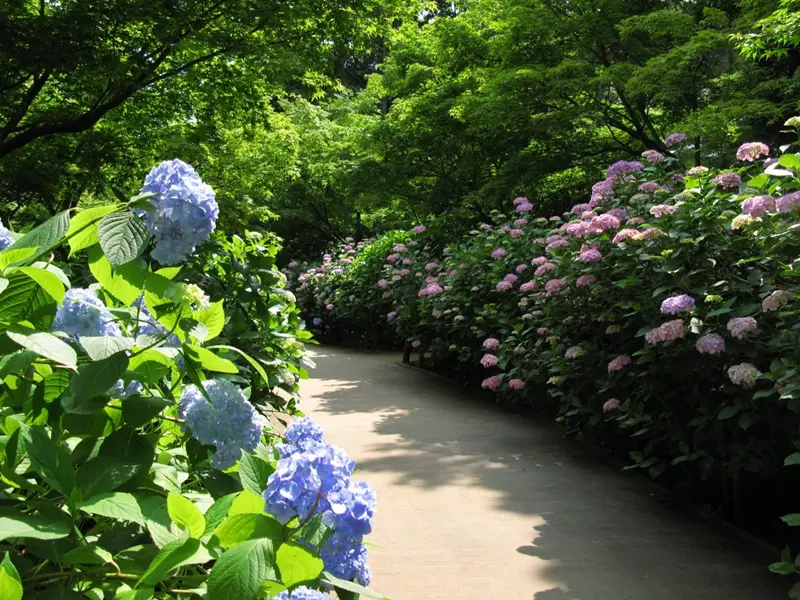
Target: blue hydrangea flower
(302,593)
(148,325)
(229,422)
(299,432)
(185,210)
(6,237)
(317,321)
(346,558)
(82,313)
(121,391)
(352,509)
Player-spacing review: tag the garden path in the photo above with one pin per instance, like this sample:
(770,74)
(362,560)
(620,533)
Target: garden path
(475,503)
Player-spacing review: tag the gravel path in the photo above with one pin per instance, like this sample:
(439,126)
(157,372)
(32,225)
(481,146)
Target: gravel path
(475,503)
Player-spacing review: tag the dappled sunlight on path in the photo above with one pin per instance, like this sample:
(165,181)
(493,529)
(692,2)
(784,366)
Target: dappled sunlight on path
(476,503)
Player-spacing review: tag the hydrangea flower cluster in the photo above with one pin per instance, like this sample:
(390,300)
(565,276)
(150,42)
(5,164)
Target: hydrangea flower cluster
(82,313)
(499,253)
(6,237)
(590,256)
(788,203)
(621,169)
(673,139)
(185,210)
(751,151)
(574,352)
(302,593)
(554,285)
(528,286)
(147,325)
(757,206)
(516,384)
(121,391)
(419,229)
(677,304)
(777,300)
(650,187)
(740,326)
(489,360)
(492,383)
(660,210)
(619,363)
(671,330)
(314,477)
(491,343)
(741,221)
(611,405)
(728,180)
(710,343)
(544,268)
(653,156)
(503,286)
(585,280)
(744,375)
(229,422)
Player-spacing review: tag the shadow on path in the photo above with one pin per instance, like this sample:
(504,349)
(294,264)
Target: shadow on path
(596,533)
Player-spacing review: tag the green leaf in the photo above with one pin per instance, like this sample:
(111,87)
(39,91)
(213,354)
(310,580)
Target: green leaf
(313,532)
(17,362)
(123,237)
(790,161)
(792,520)
(297,564)
(186,515)
(212,317)
(45,236)
(207,360)
(792,459)
(126,283)
(23,299)
(100,347)
(10,583)
(794,591)
(241,570)
(83,227)
(170,557)
(16,524)
(92,380)
(150,366)
(248,358)
(217,512)
(728,412)
(103,474)
(350,586)
(55,384)
(141,410)
(759,181)
(251,526)
(137,594)
(116,505)
(49,460)
(88,555)
(161,528)
(169,272)
(44,344)
(12,257)
(253,473)
(48,281)
(247,502)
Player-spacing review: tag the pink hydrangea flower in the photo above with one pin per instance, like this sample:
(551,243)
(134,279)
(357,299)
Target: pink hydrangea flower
(403,272)
(741,326)
(511,278)
(499,253)
(788,203)
(673,139)
(489,360)
(602,192)
(329,307)
(383,284)
(579,228)
(520,222)
(751,151)
(516,233)
(620,213)
(525,207)
(491,343)
(544,268)
(653,156)
(492,383)
(392,257)
(557,243)
(503,286)
(574,352)
(727,180)
(635,221)
(434,289)
(604,222)
(621,170)
(777,300)
(740,221)
(516,384)
(400,248)
(650,187)
(758,205)
(611,405)
(528,286)
(419,229)
(458,318)
(431,266)
(744,375)
(521,268)
(407,261)
(698,170)
(542,331)
(659,210)
(619,363)
(391,316)
(554,285)
(710,343)
(671,330)
(585,280)
(676,304)
(580,208)
(538,261)
(590,256)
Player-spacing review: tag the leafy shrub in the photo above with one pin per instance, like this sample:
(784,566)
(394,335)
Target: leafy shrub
(137,455)
(660,317)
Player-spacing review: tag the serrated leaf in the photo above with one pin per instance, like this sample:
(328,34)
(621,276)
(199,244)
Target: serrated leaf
(186,515)
(49,460)
(11,257)
(48,281)
(217,512)
(250,526)
(209,361)
(297,564)
(212,317)
(16,524)
(10,583)
(92,380)
(44,344)
(100,347)
(46,236)
(171,556)
(241,570)
(24,299)
(17,362)
(253,473)
(117,505)
(91,554)
(123,237)
(150,366)
(83,227)
(247,502)
(253,362)
(103,474)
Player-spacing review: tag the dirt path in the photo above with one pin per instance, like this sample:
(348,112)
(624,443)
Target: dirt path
(475,504)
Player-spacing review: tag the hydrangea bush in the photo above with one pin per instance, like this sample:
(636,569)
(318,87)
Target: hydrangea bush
(139,382)
(659,316)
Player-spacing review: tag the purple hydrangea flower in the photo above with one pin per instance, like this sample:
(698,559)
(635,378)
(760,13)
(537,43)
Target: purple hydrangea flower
(758,205)
(728,180)
(710,343)
(676,304)
(622,169)
(673,139)
(185,210)
(751,151)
